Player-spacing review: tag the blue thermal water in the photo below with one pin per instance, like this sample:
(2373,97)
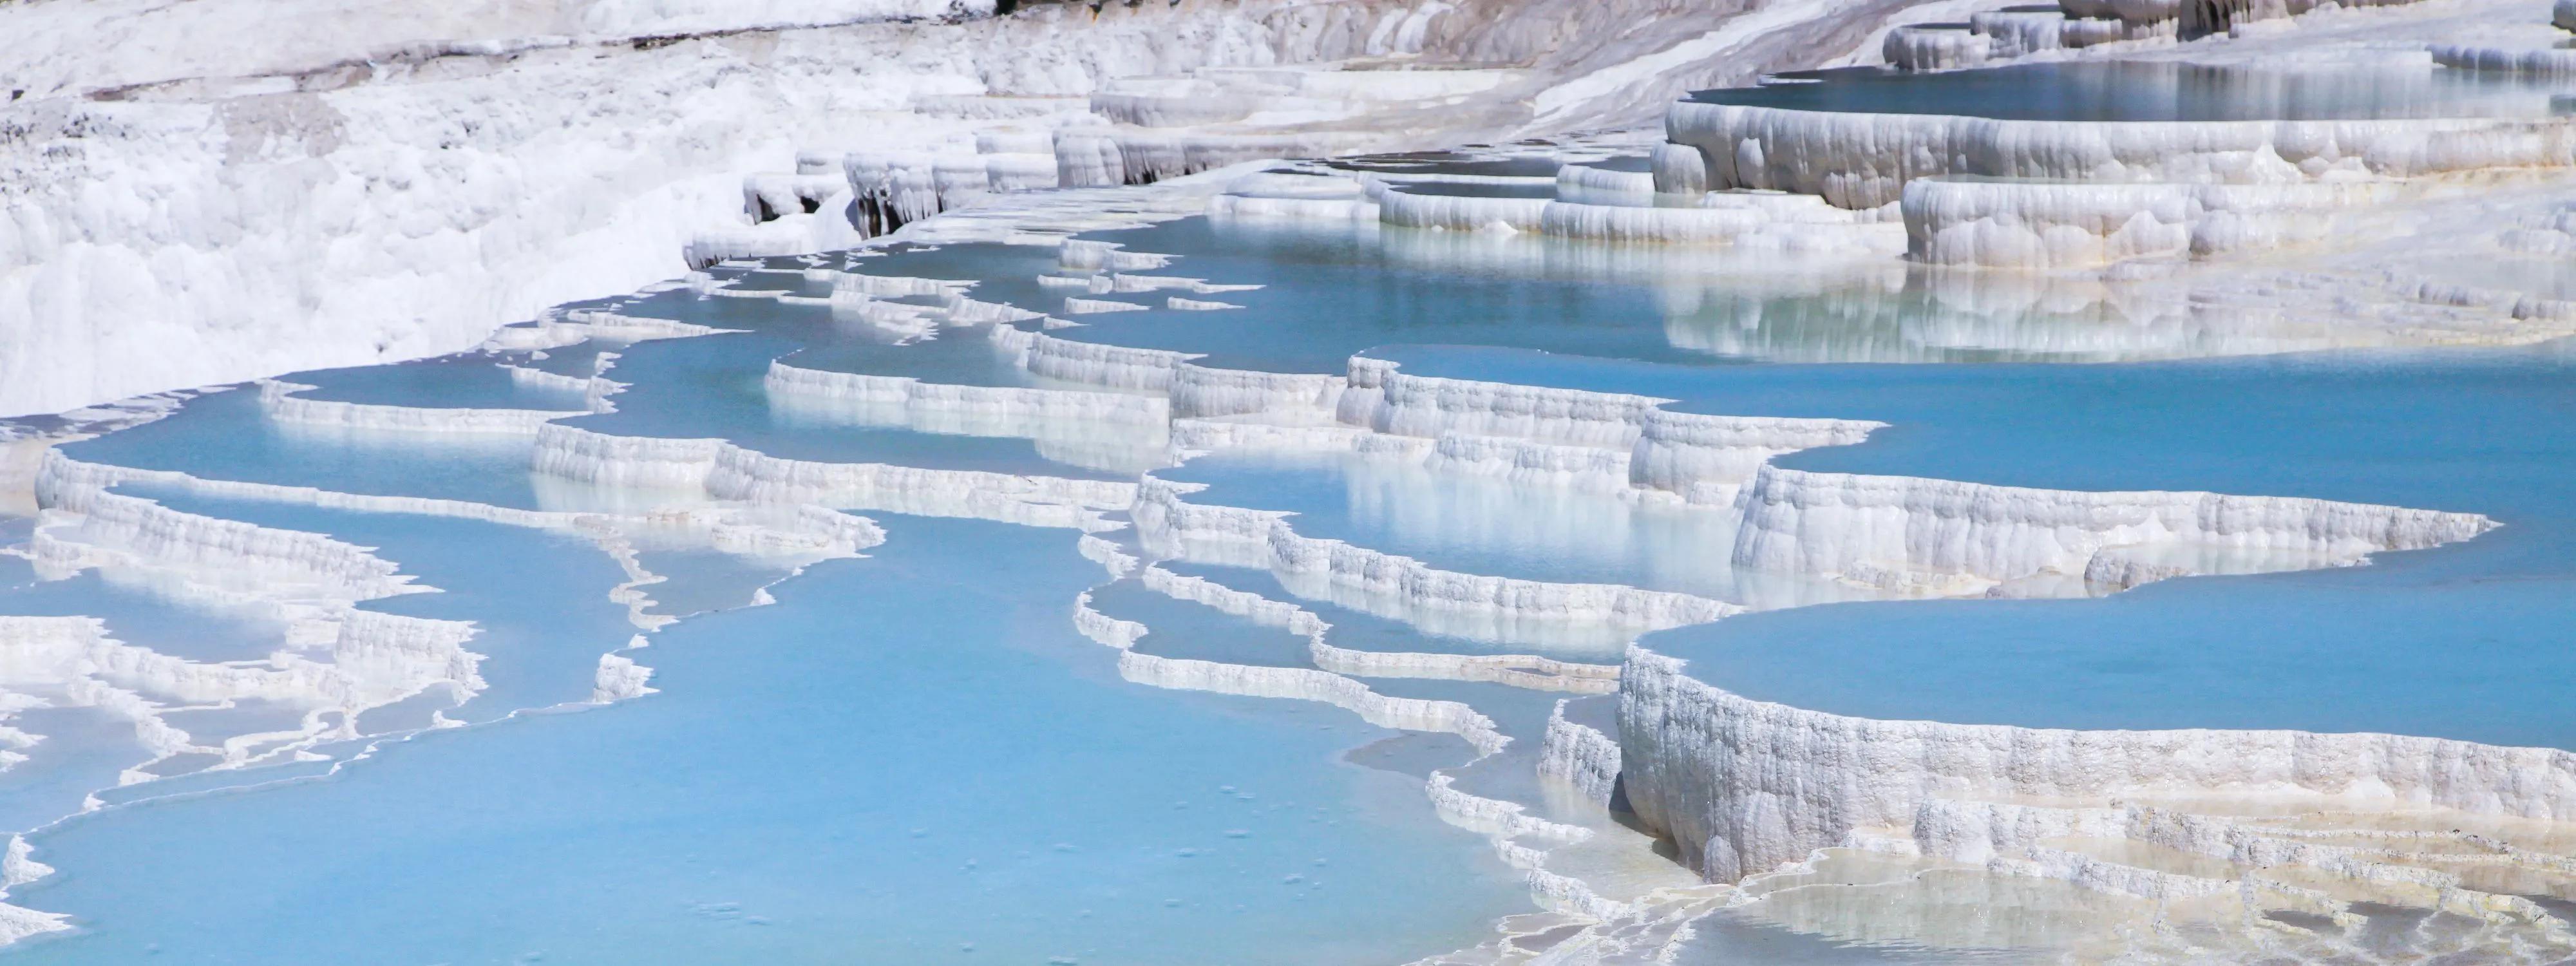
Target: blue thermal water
(911,759)
(2410,428)
(960,359)
(699,580)
(1359,630)
(1920,315)
(711,388)
(137,615)
(1187,630)
(1451,163)
(1330,292)
(228,436)
(466,381)
(2128,91)
(2375,648)
(580,360)
(1739,937)
(1327,295)
(1519,713)
(83,751)
(1475,524)
(539,600)
(1001,273)
(247,716)
(809,337)
(254,447)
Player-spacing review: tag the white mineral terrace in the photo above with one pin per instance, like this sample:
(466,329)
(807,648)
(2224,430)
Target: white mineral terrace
(1649,810)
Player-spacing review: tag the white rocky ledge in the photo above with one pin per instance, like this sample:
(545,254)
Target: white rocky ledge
(1860,160)
(1518,670)
(280,401)
(1744,786)
(1304,684)
(2083,225)
(1914,535)
(718,469)
(1169,525)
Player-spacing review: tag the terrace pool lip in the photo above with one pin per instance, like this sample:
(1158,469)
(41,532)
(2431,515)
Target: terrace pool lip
(2155,92)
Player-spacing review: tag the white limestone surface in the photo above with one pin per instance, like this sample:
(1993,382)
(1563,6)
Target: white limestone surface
(280,401)
(1405,209)
(1170,525)
(1019,411)
(2077,225)
(1745,786)
(717,469)
(1305,684)
(1090,363)
(1910,534)
(1861,160)
(1518,670)
(1537,432)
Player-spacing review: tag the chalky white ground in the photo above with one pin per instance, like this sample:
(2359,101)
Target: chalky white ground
(369,184)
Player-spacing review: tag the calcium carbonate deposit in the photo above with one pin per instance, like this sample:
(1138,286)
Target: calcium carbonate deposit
(1474,483)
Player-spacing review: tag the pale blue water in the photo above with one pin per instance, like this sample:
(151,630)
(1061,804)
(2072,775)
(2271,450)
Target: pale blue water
(580,360)
(1191,631)
(1922,315)
(1737,937)
(1326,295)
(467,381)
(83,751)
(913,758)
(912,755)
(1002,273)
(137,615)
(1518,713)
(2412,427)
(711,387)
(539,599)
(227,436)
(228,781)
(1330,292)
(963,359)
(1477,525)
(809,338)
(700,580)
(1362,631)
(2465,641)
(249,716)
(682,388)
